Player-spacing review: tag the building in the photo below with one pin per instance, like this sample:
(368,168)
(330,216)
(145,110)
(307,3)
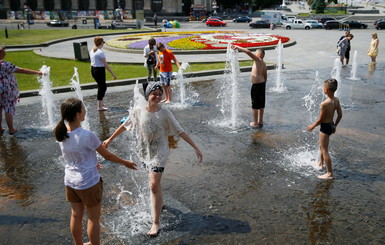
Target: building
(52,8)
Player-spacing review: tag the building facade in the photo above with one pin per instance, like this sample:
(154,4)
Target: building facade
(9,8)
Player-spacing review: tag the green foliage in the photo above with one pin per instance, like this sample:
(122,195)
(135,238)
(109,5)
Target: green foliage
(320,6)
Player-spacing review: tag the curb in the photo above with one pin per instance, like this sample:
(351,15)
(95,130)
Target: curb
(88,86)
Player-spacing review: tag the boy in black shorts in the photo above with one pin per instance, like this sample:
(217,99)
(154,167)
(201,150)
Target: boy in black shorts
(258,89)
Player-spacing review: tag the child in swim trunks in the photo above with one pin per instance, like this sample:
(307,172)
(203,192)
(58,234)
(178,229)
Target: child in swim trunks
(328,126)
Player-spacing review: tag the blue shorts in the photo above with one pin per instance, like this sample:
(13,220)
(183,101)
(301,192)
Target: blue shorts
(165,78)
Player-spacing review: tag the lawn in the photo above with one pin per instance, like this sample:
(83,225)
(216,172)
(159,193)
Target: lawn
(20,37)
(62,70)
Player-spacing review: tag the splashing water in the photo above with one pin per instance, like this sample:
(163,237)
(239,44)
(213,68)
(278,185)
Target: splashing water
(353,72)
(314,97)
(187,95)
(229,94)
(75,83)
(279,81)
(336,74)
(47,95)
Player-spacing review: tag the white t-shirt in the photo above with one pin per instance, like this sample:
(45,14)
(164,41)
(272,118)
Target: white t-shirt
(153,129)
(80,159)
(147,50)
(96,58)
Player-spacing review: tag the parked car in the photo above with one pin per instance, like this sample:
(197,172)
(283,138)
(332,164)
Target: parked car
(323,20)
(242,19)
(260,24)
(57,23)
(380,25)
(211,17)
(314,24)
(215,22)
(332,24)
(297,24)
(355,24)
(380,20)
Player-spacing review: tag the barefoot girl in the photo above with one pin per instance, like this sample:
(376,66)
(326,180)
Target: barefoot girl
(155,123)
(83,183)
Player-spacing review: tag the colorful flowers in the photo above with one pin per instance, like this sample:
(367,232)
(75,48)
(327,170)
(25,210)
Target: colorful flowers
(204,40)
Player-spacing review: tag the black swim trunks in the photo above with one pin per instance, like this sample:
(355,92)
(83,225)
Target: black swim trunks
(327,128)
(258,91)
(155,169)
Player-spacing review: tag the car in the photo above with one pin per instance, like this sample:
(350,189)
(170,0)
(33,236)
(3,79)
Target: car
(355,24)
(260,24)
(380,20)
(215,22)
(297,24)
(324,19)
(380,25)
(314,24)
(242,19)
(332,24)
(57,23)
(211,17)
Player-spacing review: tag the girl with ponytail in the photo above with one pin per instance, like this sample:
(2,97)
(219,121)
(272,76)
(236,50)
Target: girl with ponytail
(84,186)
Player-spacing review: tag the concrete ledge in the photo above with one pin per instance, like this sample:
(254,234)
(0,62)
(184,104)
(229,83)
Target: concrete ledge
(66,89)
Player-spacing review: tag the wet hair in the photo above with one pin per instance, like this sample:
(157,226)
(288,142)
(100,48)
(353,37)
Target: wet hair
(331,84)
(69,108)
(159,45)
(151,41)
(350,35)
(150,87)
(97,41)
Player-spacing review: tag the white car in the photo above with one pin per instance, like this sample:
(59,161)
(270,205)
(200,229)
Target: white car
(297,24)
(314,24)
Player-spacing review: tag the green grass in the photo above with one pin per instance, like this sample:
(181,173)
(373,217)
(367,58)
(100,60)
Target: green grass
(20,37)
(62,70)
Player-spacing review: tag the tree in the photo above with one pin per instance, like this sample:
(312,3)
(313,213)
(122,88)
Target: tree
(320,6)
(49,5)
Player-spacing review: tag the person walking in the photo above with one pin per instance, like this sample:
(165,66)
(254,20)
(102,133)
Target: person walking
(98,70)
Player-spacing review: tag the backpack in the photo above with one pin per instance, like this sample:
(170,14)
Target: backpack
(151,60)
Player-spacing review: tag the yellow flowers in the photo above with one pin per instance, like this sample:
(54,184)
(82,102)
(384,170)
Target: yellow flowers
(186,43)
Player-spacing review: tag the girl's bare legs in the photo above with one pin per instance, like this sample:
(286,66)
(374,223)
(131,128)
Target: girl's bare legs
(93,225)
(157,201)
(9,120)
(76,222)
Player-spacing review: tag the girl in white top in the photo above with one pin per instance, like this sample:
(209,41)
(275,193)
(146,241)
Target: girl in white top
(98,70)
(155,123)
(82,180)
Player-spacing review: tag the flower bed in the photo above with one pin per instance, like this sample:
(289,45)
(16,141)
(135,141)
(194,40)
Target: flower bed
(205,40)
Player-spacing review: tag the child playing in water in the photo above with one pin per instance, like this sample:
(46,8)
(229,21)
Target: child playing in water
(328,126)
(165,56)
(154,124)
(84,186)
(258,88)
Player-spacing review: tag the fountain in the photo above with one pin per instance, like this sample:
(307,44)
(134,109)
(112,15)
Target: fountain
(47,95)
(279,87)
(229,94)
(75,83)
(336,74)
(353,72)
(187,95)
(314,97)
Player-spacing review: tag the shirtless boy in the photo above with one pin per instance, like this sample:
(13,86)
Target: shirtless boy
(328,126)
(258,88)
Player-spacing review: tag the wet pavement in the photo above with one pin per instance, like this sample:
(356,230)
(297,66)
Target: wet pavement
(253,187)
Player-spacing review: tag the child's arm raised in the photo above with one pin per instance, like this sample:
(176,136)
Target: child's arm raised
(191,142)
(114,158)
(246,51)
(319,120)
